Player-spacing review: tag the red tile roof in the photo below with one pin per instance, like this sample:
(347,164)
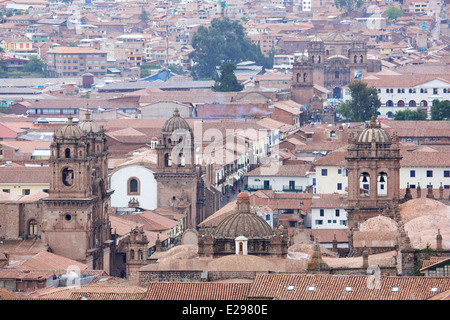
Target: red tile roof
(197,291)
(333,287)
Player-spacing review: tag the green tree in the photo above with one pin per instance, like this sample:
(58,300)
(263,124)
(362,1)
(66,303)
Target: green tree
(176,68)
(364,103)
(348,5)
(392,13)
(223,41)
(410,115)
(440,110)
(144,16)
(228,81)
(34,64)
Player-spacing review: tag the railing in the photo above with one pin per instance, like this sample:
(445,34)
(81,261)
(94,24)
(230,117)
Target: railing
(292,189)
(258,187)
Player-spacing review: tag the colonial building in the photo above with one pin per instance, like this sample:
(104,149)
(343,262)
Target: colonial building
(75,220)
(373,164)
(243,233)
(179,182)
(331,63)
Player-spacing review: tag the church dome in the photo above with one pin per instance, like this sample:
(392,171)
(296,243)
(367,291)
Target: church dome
(70,130)
(373,131)
(88,125)
(175,123)
(243,223)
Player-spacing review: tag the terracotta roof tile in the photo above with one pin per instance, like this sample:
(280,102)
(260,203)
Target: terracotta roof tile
(333,287)
(197,291)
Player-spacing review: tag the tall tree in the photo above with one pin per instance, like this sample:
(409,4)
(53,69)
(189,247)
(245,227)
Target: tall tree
(410,115)
(440,110)
(364,103)
(228,81)
(348,5)
(223,41)
(392,13)
(34,64)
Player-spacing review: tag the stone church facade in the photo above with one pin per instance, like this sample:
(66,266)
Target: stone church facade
(330,63)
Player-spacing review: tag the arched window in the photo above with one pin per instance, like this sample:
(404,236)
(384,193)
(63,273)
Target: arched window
(318,59)
(382,181)
(131,254)
(412,103)
(305,76)
(141,255)
(134,186)
(67,153)
(327,52)
(167,160)
(423,103)
(400,103)
(32,227)
(298,77)
(389,103)
(354,59)
(67,176)
(312,59)
(336,74)
(364,183)
(361,59)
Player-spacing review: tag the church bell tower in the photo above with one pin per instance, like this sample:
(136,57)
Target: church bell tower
(75,220)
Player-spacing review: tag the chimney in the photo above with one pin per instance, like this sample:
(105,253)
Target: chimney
(441,192)
(419,189)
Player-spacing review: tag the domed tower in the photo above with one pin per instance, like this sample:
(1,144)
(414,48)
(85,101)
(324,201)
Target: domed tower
(75,219)
(178,177)
(373,164)
(243,233)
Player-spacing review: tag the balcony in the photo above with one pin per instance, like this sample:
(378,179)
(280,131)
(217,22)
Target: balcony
(258,187)
(292,189)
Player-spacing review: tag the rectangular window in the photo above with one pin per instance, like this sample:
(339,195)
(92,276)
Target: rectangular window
(446,173)
(6,190)
(339,171)
(26,192)
(322,212)
(412,173)
(324,172)
(338,213)
(429,173)
(318,222)
(339,186)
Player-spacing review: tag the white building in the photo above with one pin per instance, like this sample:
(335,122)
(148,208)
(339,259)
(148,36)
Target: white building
(399,92)
(331,173)
(287,176)
(327,212)
(134,180)
(420,165)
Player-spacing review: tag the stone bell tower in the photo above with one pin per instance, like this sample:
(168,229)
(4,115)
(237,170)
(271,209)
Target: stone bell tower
(75,215)
(302,89)
(178,177)
(373,164)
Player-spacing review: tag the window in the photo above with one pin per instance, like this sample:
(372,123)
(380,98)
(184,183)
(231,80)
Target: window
(412,173)
(338,212)
(6,190)
(339,186)
(133,186)
(339,171)
(25,192)
(324,172)
(429,173)
(322,212)
(446,173)
(319,222)
(32,227)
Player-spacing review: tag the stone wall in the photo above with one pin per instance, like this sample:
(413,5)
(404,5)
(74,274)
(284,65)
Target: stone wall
(145,277)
